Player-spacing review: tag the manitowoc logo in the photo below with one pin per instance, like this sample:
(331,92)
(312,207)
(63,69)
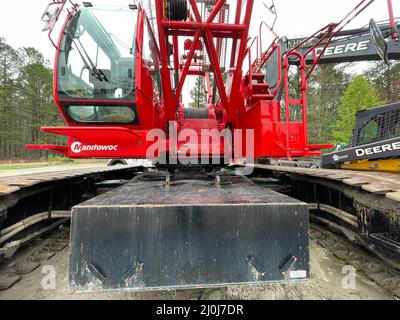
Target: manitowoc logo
(78,147)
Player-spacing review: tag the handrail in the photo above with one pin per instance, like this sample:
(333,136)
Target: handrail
(52,21)
(395,34)
(264,23)
(267,54)
(250,72)
(253,68)
(264,57)
(250,93)
(332,30)
(252,43)
(303,93)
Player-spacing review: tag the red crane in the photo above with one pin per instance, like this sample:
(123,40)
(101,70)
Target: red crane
(120,91)
(113,93)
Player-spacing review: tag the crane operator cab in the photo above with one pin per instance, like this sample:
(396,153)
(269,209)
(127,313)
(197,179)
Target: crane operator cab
(107,81)
(94,64)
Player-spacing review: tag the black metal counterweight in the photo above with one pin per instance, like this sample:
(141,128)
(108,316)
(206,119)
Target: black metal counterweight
(190,233)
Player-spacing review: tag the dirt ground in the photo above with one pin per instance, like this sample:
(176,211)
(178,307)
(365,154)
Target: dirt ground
(325,284)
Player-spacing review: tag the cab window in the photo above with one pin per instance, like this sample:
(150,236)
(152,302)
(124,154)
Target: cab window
(102,114)
(369,132)
(97,59)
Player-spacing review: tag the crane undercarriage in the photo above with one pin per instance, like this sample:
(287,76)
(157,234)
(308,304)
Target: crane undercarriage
(169,237)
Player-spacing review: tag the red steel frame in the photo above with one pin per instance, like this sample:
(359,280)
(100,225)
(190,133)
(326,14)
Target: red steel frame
(207,30)
(275,136)
(395,35)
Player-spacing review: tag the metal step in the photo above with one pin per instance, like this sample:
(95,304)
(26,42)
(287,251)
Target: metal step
(260,88)
(258,76)
(259,97)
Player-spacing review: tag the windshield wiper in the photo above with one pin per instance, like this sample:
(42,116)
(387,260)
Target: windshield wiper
(98,73)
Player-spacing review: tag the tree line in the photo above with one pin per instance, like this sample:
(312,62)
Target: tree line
(26,102)
(335,97)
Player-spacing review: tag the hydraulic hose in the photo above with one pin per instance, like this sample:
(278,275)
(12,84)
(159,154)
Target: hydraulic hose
(11,231)
(342,215)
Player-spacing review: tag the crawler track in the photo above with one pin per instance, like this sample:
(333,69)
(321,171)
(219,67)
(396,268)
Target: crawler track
(361,208)
(27,195)
(364,204)
(378,183)
(14,183)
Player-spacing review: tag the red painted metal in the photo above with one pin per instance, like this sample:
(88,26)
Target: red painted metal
(102,142)
(63,150)
(59,6)
(56,60)
(235,40)
(395,34)
(188,43)
(245,100)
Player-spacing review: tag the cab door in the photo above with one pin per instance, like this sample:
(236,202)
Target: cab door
(149,89)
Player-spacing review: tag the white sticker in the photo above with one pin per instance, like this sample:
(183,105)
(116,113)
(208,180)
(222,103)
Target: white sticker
(298,274)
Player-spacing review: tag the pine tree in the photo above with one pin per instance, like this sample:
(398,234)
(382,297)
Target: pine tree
(326,87)
(26,102)
(359,95)
(386,79)
(9,62)
(198,94)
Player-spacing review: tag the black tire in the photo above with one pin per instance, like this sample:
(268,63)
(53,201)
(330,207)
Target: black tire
(116,162)
(177,10)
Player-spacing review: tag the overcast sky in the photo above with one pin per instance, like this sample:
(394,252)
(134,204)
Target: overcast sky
(21,26)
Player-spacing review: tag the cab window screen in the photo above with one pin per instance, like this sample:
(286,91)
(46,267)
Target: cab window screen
(102,114)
